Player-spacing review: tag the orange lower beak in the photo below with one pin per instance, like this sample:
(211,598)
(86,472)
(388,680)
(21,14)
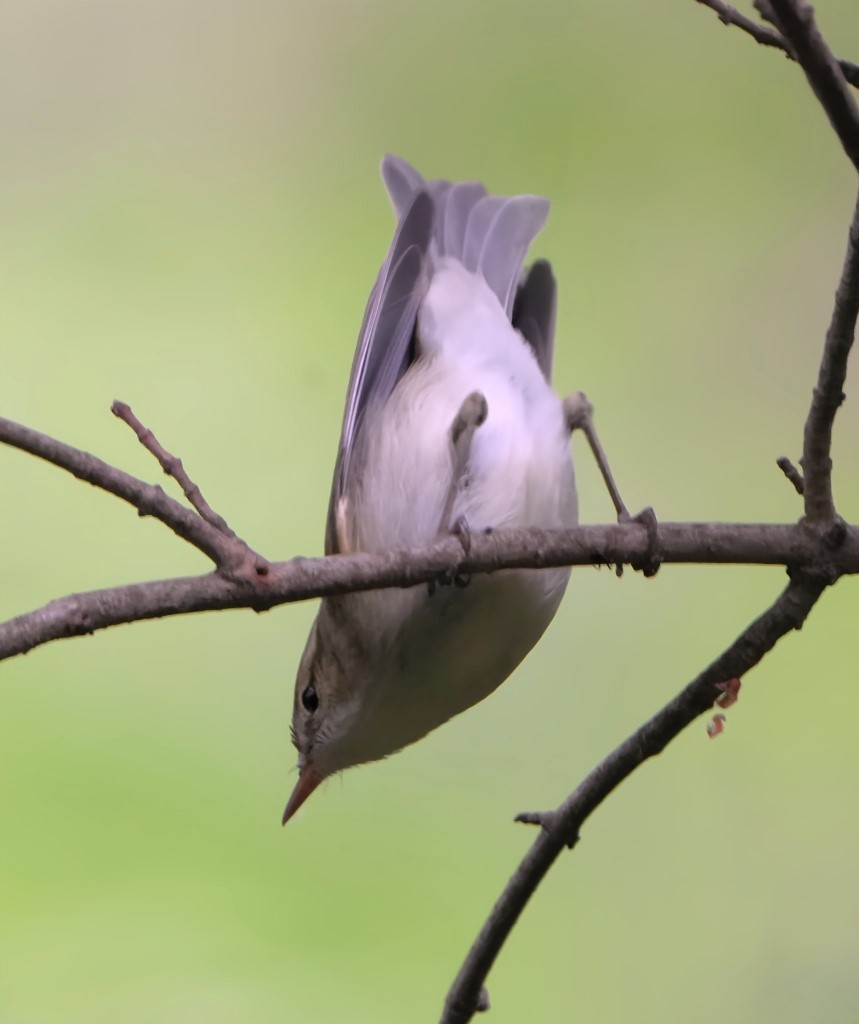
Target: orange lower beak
(308,780)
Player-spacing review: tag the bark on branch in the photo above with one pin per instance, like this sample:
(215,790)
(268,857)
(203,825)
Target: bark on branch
(304,578)
(559,829)
(767,36)
(244,579)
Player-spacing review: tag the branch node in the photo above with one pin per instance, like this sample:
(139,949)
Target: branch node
(243,566)
(551,822)
(836,534)
(766,12)
(649,564)
(767,36)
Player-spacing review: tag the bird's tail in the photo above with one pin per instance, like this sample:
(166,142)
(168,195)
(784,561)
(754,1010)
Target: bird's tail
(489,235)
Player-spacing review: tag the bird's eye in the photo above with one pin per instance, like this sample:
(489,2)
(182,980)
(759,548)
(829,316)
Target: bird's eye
(310,698)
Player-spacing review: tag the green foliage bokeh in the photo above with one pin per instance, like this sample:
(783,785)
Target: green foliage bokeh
(191,222)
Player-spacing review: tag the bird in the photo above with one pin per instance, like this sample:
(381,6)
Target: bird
(451,425)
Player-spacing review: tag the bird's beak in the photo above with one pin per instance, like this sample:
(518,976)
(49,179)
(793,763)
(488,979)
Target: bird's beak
(308,780)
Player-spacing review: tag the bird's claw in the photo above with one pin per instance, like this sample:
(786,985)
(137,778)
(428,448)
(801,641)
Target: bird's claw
(462,532)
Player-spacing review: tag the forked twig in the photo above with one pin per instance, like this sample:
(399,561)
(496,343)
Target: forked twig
(767,36)
(172,466)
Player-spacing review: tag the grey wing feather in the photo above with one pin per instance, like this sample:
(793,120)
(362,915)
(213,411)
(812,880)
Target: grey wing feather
(534,313)
(384,345)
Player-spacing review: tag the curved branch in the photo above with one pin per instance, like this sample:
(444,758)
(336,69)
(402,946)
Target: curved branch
(560,828)
(829,393)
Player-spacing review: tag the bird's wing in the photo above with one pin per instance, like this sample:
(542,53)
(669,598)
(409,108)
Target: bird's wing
(384,352)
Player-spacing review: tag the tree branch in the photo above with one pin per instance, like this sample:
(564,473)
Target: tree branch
(829,393)
(230,554)
(796,20)
(244,579)
(766,36)
(560,828)
(303,578)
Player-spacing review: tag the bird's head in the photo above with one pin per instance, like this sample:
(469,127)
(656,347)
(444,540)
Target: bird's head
(326,703)
(350,704)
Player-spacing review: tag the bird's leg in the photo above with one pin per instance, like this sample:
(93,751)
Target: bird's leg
(472,414)
(579,414)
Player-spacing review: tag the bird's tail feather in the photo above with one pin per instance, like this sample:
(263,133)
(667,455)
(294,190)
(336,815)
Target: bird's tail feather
(489,235)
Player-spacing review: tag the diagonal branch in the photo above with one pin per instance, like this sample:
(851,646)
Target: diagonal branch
(808,47)
(172,466)
(561,827)
(767,36)
(829,393)
(229,554)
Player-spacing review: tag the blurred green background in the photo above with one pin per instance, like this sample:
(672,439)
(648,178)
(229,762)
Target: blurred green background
(191,221)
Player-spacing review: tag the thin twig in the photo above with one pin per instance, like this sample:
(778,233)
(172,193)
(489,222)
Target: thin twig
(829,394)
(792,473)
(172,466)
(562,825)
(148,499)
(796,20)
(729,15)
